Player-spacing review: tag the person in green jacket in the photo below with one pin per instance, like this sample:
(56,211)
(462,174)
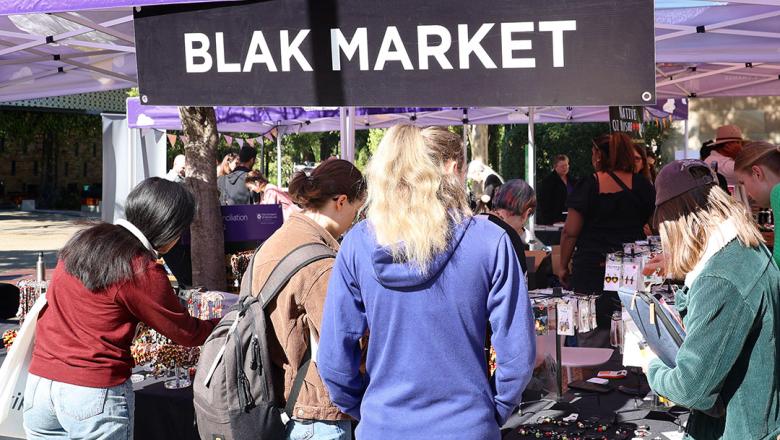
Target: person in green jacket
(757,167)
(727,367)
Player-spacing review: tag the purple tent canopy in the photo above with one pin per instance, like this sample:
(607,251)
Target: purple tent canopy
(302,119)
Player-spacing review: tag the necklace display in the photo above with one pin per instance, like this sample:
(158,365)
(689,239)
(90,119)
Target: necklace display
(29,291)
(591,429)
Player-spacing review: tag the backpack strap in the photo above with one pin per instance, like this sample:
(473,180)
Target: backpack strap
(293,262)
(246,279)
(298,383)
(296,260)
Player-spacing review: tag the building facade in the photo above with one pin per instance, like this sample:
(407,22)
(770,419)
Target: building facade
(57,173)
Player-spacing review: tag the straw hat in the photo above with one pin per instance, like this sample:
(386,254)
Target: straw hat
(726,134)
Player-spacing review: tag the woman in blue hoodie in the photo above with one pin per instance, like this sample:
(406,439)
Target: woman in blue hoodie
(425,278)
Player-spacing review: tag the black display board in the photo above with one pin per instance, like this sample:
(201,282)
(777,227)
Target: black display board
(627,119)
(397,53)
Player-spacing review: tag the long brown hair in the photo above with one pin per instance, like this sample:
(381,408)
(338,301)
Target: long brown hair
(617,152)
(331,178)
(759,153)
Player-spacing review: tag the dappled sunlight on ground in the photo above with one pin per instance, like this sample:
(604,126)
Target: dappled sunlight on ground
(24,234)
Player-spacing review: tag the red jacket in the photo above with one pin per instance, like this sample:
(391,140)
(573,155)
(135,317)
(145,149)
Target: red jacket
(84,337)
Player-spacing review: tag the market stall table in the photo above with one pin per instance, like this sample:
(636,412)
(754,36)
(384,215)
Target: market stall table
(613,409)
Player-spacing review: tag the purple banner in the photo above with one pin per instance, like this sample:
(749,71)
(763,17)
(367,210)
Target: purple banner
(251,222)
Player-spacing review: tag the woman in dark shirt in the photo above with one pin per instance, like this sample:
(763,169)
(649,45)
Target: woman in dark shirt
(606,210)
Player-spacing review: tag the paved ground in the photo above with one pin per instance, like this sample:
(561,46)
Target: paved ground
(24,234)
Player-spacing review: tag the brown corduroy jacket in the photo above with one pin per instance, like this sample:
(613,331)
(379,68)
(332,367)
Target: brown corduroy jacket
(297,309)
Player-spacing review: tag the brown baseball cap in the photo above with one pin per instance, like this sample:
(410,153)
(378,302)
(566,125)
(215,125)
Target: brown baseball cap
(681,176)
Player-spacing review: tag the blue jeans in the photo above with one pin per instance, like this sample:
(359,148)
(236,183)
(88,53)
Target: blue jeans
(56,410)
(319,430)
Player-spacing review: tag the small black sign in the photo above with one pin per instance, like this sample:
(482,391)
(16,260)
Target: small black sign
(400,53)
(628,119)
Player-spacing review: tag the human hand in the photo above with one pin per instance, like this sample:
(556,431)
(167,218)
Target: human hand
(563,277)
(656,265)
(648,357)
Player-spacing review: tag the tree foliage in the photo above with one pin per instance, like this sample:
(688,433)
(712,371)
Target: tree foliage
(364,152)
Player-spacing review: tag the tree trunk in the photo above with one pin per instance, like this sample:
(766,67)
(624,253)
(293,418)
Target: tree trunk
(478,140)
(208,241)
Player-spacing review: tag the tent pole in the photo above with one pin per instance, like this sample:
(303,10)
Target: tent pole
(262,156)
(465,143)
(351,134)
(465,121)
(343,136)
(279,157)
(685,140)
(530,166)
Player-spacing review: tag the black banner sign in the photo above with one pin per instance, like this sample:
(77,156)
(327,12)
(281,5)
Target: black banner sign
(397,53)
(628,119)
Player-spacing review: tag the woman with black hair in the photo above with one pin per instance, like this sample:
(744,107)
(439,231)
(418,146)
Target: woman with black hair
(106,282)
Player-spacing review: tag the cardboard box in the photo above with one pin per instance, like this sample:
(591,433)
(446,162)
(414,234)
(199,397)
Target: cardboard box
(537,256)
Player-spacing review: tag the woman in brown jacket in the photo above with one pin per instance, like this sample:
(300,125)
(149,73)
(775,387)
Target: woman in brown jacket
(331,198)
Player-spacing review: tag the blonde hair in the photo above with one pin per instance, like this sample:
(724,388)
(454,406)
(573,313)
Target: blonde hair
(413,203)
(687,221)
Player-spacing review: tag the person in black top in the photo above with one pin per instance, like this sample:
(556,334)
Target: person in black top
(232,187)
(553,191)
(513,204)
(607,209)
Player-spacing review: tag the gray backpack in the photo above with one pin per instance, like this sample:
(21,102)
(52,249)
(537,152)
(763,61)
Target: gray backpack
(233,391)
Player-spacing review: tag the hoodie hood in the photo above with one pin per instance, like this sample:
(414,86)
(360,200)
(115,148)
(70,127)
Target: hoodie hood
(397,275)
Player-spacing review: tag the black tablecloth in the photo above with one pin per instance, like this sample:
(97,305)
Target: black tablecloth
(614,406)
(161,413)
